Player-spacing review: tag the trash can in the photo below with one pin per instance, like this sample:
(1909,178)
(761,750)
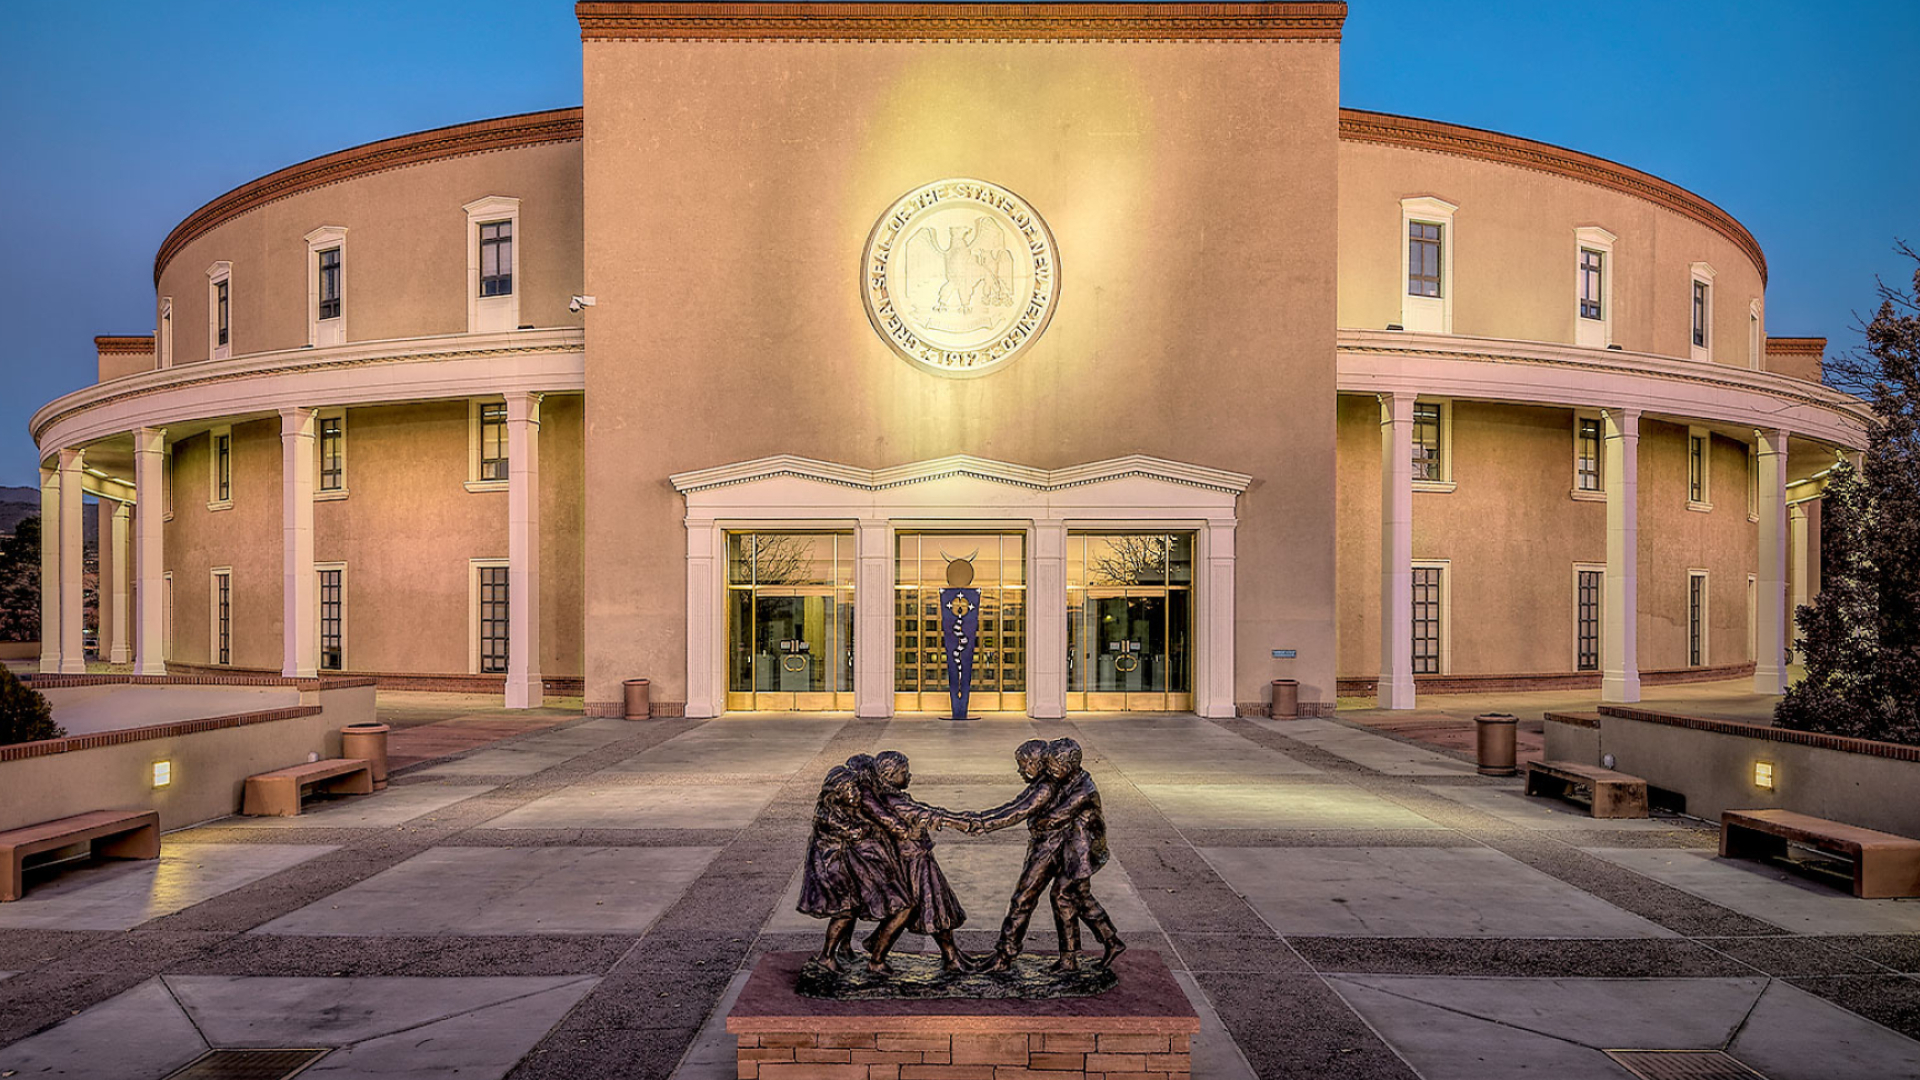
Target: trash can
(367,741)
(639,698)
(1494,735)
(1286,699)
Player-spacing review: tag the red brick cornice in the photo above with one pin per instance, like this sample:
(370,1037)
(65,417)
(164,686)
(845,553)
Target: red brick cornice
(1359,125)
(1797,346)
(504,133)
(612,21)
(124,344)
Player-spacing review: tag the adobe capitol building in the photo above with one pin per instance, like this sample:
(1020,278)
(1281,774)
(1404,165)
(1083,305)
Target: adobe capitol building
(1213,381)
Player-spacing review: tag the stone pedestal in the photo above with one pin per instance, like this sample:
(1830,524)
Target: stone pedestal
(1141,1029)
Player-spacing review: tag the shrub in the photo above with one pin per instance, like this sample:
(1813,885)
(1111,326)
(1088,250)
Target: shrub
(25,715)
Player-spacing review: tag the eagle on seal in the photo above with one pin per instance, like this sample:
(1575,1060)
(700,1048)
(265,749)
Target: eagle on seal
(975,261)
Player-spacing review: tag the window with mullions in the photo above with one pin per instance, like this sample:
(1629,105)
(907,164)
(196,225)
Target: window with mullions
(496,258)
(493,440)
(1700,314)
(1590,283)
(223,468)
(1426,620)
(223,618)
(493,620)
(1423,258)
(1427,464)
(333,463)
(1587,455)
(1696,620)
(1588,621)
(330,623)
(329,283)
(223,314)
(1697,468)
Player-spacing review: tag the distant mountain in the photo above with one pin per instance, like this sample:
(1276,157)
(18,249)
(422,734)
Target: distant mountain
(20,503)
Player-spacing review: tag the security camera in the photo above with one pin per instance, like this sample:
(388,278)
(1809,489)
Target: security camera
(579,302)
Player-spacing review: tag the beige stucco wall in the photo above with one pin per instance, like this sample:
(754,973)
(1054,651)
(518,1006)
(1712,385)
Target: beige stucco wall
(405,271)
(1515,253)
(112,365)
(245,537)
(1512,532)
(1186,186)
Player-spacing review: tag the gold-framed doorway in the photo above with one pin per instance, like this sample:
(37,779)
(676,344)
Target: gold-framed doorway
(790,619)
(1129,622)
(920,656)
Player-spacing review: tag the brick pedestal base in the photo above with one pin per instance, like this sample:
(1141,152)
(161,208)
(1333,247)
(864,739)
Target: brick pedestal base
(1140,1030)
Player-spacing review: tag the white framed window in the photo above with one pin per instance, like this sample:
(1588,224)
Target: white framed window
(494,284)
(1756,339)
(220,311)
(330,596)
(166,616)
(1589,455)
(326,286)
(486,445)
(1753,617)
(1753,482)
(487,614)
(1433,445)
(1426,264)
(166,481)
(1699,469)
(220,615)
(1589,614)
(1699,622)
(1593,287)
(1432,617)
(220,468)
(1700,306)
(330,454)
(163,340)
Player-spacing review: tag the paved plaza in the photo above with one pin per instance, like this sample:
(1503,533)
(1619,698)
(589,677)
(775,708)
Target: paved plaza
(583,899)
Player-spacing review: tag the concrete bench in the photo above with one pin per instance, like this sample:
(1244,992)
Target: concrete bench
(135,834)
(1614,794)
(1884,865)
(277,793)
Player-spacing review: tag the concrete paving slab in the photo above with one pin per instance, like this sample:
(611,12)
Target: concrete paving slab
(120,895)
(943,747)
(1279,805)
(397,805)
(983,876)
(452,890)
(713,1053)
(1784,899)
(1509,804)
(1498,1028)
(630,806)
(746,743)
(530,755)
(1416,892)
(970,797)
(141,1034)
(243,1011)
(1184,744)
(1793,1035)
(1376,752)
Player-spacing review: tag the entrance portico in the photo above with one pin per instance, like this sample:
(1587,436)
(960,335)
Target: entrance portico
(871,509)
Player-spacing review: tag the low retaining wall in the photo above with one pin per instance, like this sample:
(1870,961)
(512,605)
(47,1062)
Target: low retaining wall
(1368,685)
(19,650)
(1711,762)
(210,760)
(552,685)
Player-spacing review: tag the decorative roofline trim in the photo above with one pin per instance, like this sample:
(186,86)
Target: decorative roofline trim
(1410,133)
(965,465)
(1314,20)
(1808,346)
(459,140)
(124,344)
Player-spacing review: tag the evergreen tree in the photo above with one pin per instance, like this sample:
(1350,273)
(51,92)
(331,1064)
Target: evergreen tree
(25,715)
(20,582)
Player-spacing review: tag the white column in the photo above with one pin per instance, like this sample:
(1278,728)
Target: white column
(49,571)
(1770,662)
(149,564)
(1395,689)
(1800,558)
(873,621)
(1217,646)
(1620,644)
(300,622)
(73,645)
(524,688)
(706,562)
(1047,622)
(113,563)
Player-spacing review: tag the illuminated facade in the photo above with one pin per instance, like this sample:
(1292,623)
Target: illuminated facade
(1215,381)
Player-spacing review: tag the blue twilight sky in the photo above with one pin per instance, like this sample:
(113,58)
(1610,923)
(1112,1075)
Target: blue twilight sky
(1802,120)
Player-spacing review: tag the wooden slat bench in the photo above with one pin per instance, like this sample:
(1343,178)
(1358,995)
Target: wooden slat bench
(116,834)
(1884,865)
(277,793)
(1615,794)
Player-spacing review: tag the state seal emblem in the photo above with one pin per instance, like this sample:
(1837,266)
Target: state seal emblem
(960,276)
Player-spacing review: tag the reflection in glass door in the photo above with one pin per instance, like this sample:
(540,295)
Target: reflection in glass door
(789,621)
(1000,657)
(1129,619)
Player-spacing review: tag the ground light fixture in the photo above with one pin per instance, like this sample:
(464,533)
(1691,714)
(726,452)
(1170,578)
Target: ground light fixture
(162,773)
(1763,775)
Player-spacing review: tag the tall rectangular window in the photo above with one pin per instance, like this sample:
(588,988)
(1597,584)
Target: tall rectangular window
(1587,457)
(223,316)
(1423,258)
(329,283)
(1697,468)
(1696,619)
(493,440)
(1427,463)
(1700,314)
(496,258)
(493,619)
(330,619)
(333,449)
(223,468)
(1590,284)
(1426,620)
(1587,619)
(223,616)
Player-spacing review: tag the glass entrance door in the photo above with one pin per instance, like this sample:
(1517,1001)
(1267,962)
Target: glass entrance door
(1129,614)
(790,622)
